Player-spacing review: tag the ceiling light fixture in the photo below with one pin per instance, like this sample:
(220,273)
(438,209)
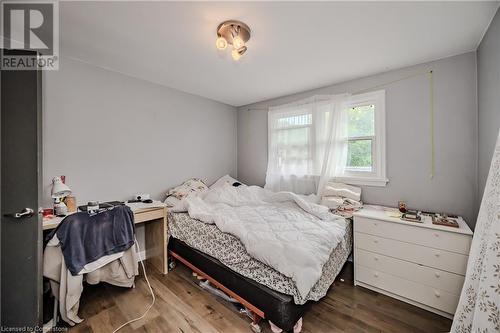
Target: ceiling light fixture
(235,33)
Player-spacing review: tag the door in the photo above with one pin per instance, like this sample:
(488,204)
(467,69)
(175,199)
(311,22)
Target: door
(21,232)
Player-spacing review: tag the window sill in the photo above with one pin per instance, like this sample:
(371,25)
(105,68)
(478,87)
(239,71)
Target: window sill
(380,182)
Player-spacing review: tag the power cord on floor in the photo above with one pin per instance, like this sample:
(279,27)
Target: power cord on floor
(150,289)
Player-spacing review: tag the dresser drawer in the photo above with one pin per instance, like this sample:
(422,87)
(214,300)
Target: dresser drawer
(428,276)
(444,260)
(433,297)
(450,241)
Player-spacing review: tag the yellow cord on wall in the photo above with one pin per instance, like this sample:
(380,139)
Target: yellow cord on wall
(431,110)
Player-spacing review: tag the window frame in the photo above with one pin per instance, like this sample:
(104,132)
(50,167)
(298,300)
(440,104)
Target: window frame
(377,177)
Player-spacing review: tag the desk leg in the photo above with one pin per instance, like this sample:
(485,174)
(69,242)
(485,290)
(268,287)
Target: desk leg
(156,244)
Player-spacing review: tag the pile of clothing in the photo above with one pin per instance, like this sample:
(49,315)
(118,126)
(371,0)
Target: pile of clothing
(342,199)
(92,248)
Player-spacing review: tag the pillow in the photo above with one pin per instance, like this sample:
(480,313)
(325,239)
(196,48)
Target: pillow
(171,201)
(342,190)
(227,179)
(179,207)
(193,185)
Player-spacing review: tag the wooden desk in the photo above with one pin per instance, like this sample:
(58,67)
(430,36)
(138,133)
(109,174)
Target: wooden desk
(155,235)
(155,219)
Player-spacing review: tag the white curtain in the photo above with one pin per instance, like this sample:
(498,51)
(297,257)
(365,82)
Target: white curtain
(479,306)
(307,144)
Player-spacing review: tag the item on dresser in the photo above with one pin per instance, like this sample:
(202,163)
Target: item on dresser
(430,214)
(411,216)
(446,221)
(402,206)
(420,263)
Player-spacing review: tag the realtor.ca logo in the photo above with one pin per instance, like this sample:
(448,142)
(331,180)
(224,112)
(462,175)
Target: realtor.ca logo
(30,35)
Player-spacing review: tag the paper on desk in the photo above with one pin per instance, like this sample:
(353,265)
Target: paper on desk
(135,206)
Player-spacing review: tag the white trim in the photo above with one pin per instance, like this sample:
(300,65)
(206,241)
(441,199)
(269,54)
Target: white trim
(378,176)
(368,181)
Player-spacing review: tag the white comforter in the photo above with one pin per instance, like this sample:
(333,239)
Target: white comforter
(282,230)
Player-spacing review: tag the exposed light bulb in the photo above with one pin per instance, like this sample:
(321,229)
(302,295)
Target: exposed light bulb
(221,43)
(237,53)
(238,42)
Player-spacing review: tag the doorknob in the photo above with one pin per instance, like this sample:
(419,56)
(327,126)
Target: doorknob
(26,212)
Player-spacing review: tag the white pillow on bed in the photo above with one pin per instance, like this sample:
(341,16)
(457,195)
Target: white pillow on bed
(227,179)
(176,195)
(180,207)
(171,201)
(190,186)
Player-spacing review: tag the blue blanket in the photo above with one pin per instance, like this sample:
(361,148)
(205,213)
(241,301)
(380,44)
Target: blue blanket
(85,238)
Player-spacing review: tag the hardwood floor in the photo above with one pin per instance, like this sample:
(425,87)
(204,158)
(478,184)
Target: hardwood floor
(182,306)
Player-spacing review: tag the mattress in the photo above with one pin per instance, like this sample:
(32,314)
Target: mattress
(229,251)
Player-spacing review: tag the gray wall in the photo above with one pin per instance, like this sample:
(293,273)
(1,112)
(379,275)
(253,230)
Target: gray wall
(488,87)
(454,186)
(113,135)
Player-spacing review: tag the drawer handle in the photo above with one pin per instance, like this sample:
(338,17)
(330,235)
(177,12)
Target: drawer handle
(437,274)
(376,274)
(437,255)
(375,224)
(437,294)
(375,241)
(375,258)
(436,234)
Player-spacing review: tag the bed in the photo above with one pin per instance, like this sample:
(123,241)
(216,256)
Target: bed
(222,258)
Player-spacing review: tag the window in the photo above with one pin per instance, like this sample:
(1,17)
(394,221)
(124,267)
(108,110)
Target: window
(360,138)
(340,137)
(293,135)
(366,139)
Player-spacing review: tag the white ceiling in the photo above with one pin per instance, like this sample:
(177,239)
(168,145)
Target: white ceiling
(295,46)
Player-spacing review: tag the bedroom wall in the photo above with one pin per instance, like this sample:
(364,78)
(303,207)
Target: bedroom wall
(454,186)
(488,89)
(114,136)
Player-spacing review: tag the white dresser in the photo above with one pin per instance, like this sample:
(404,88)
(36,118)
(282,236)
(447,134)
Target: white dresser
(420,263)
